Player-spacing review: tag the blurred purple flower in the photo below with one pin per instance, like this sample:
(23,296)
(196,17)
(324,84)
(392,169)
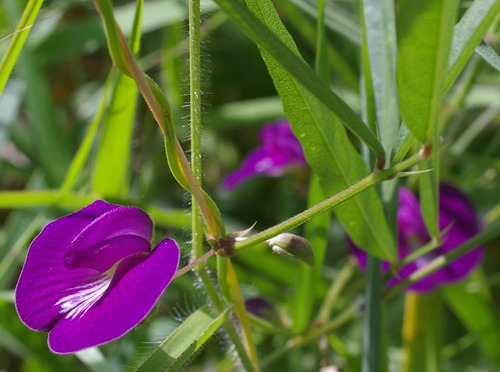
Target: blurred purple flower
(456,217)
(91,276)
(279,151)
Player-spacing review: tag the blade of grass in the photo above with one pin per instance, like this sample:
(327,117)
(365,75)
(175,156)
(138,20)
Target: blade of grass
(467,34)
(83,152)
(111,171)
(336,19)
(18,38)
(178,218)
(489,55)
(184,342)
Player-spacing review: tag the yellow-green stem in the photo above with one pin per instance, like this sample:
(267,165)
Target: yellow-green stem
(241,313)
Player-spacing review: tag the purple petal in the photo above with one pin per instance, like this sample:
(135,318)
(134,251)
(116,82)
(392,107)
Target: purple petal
(103,255)
(410,220)
(137,284)
(279,150)
(45,277)
(113,223)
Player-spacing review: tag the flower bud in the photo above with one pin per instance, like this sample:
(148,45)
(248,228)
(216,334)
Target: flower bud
(293,245)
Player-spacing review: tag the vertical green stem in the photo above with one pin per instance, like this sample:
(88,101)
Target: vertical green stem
(421,333)
(195,114)
(372,317)
(241,313)
(197,223)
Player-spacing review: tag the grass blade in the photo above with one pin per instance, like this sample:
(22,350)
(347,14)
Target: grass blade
(18,38)
(467,34)
(184,342)
(111,172)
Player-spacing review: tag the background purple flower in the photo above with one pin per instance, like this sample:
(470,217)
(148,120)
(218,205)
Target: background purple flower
(91,276)
(279,151)
(456,215)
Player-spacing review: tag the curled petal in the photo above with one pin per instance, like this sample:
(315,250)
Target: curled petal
(113,223)
(103,255)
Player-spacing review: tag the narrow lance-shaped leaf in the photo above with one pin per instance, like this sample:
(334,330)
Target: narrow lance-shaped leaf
(425,30)
(18,38)
(380,26)
(327,148)
(289,61)
(315,229)
(489,55)
(467,35)
(184,342)
(111,171)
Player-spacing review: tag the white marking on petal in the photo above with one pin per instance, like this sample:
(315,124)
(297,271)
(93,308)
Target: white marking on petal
(78,303)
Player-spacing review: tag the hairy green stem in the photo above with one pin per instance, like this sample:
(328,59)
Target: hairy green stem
(195,114)
(198,258)
(369,181)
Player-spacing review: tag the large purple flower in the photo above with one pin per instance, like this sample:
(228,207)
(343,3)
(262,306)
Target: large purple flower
(279,150)
(456,217)
(91,276)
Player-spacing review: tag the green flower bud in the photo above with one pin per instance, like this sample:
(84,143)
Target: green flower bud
(293,245)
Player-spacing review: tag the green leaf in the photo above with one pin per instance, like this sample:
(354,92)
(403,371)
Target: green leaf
(422,332)
(336,19)
(83,152)
(111,172)
(489,55)
(51,147)
(467,35)
(328,149)
(425,30)
(184,342)
(403,144)
(380,31)
(298,70)
(28,199)
(18,38)
(476,314)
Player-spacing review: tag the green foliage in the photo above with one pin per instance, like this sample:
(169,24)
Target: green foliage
(184,342)
(389,77)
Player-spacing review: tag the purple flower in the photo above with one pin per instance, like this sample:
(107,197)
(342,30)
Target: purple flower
(456,217)
(91,276)
(279,151)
